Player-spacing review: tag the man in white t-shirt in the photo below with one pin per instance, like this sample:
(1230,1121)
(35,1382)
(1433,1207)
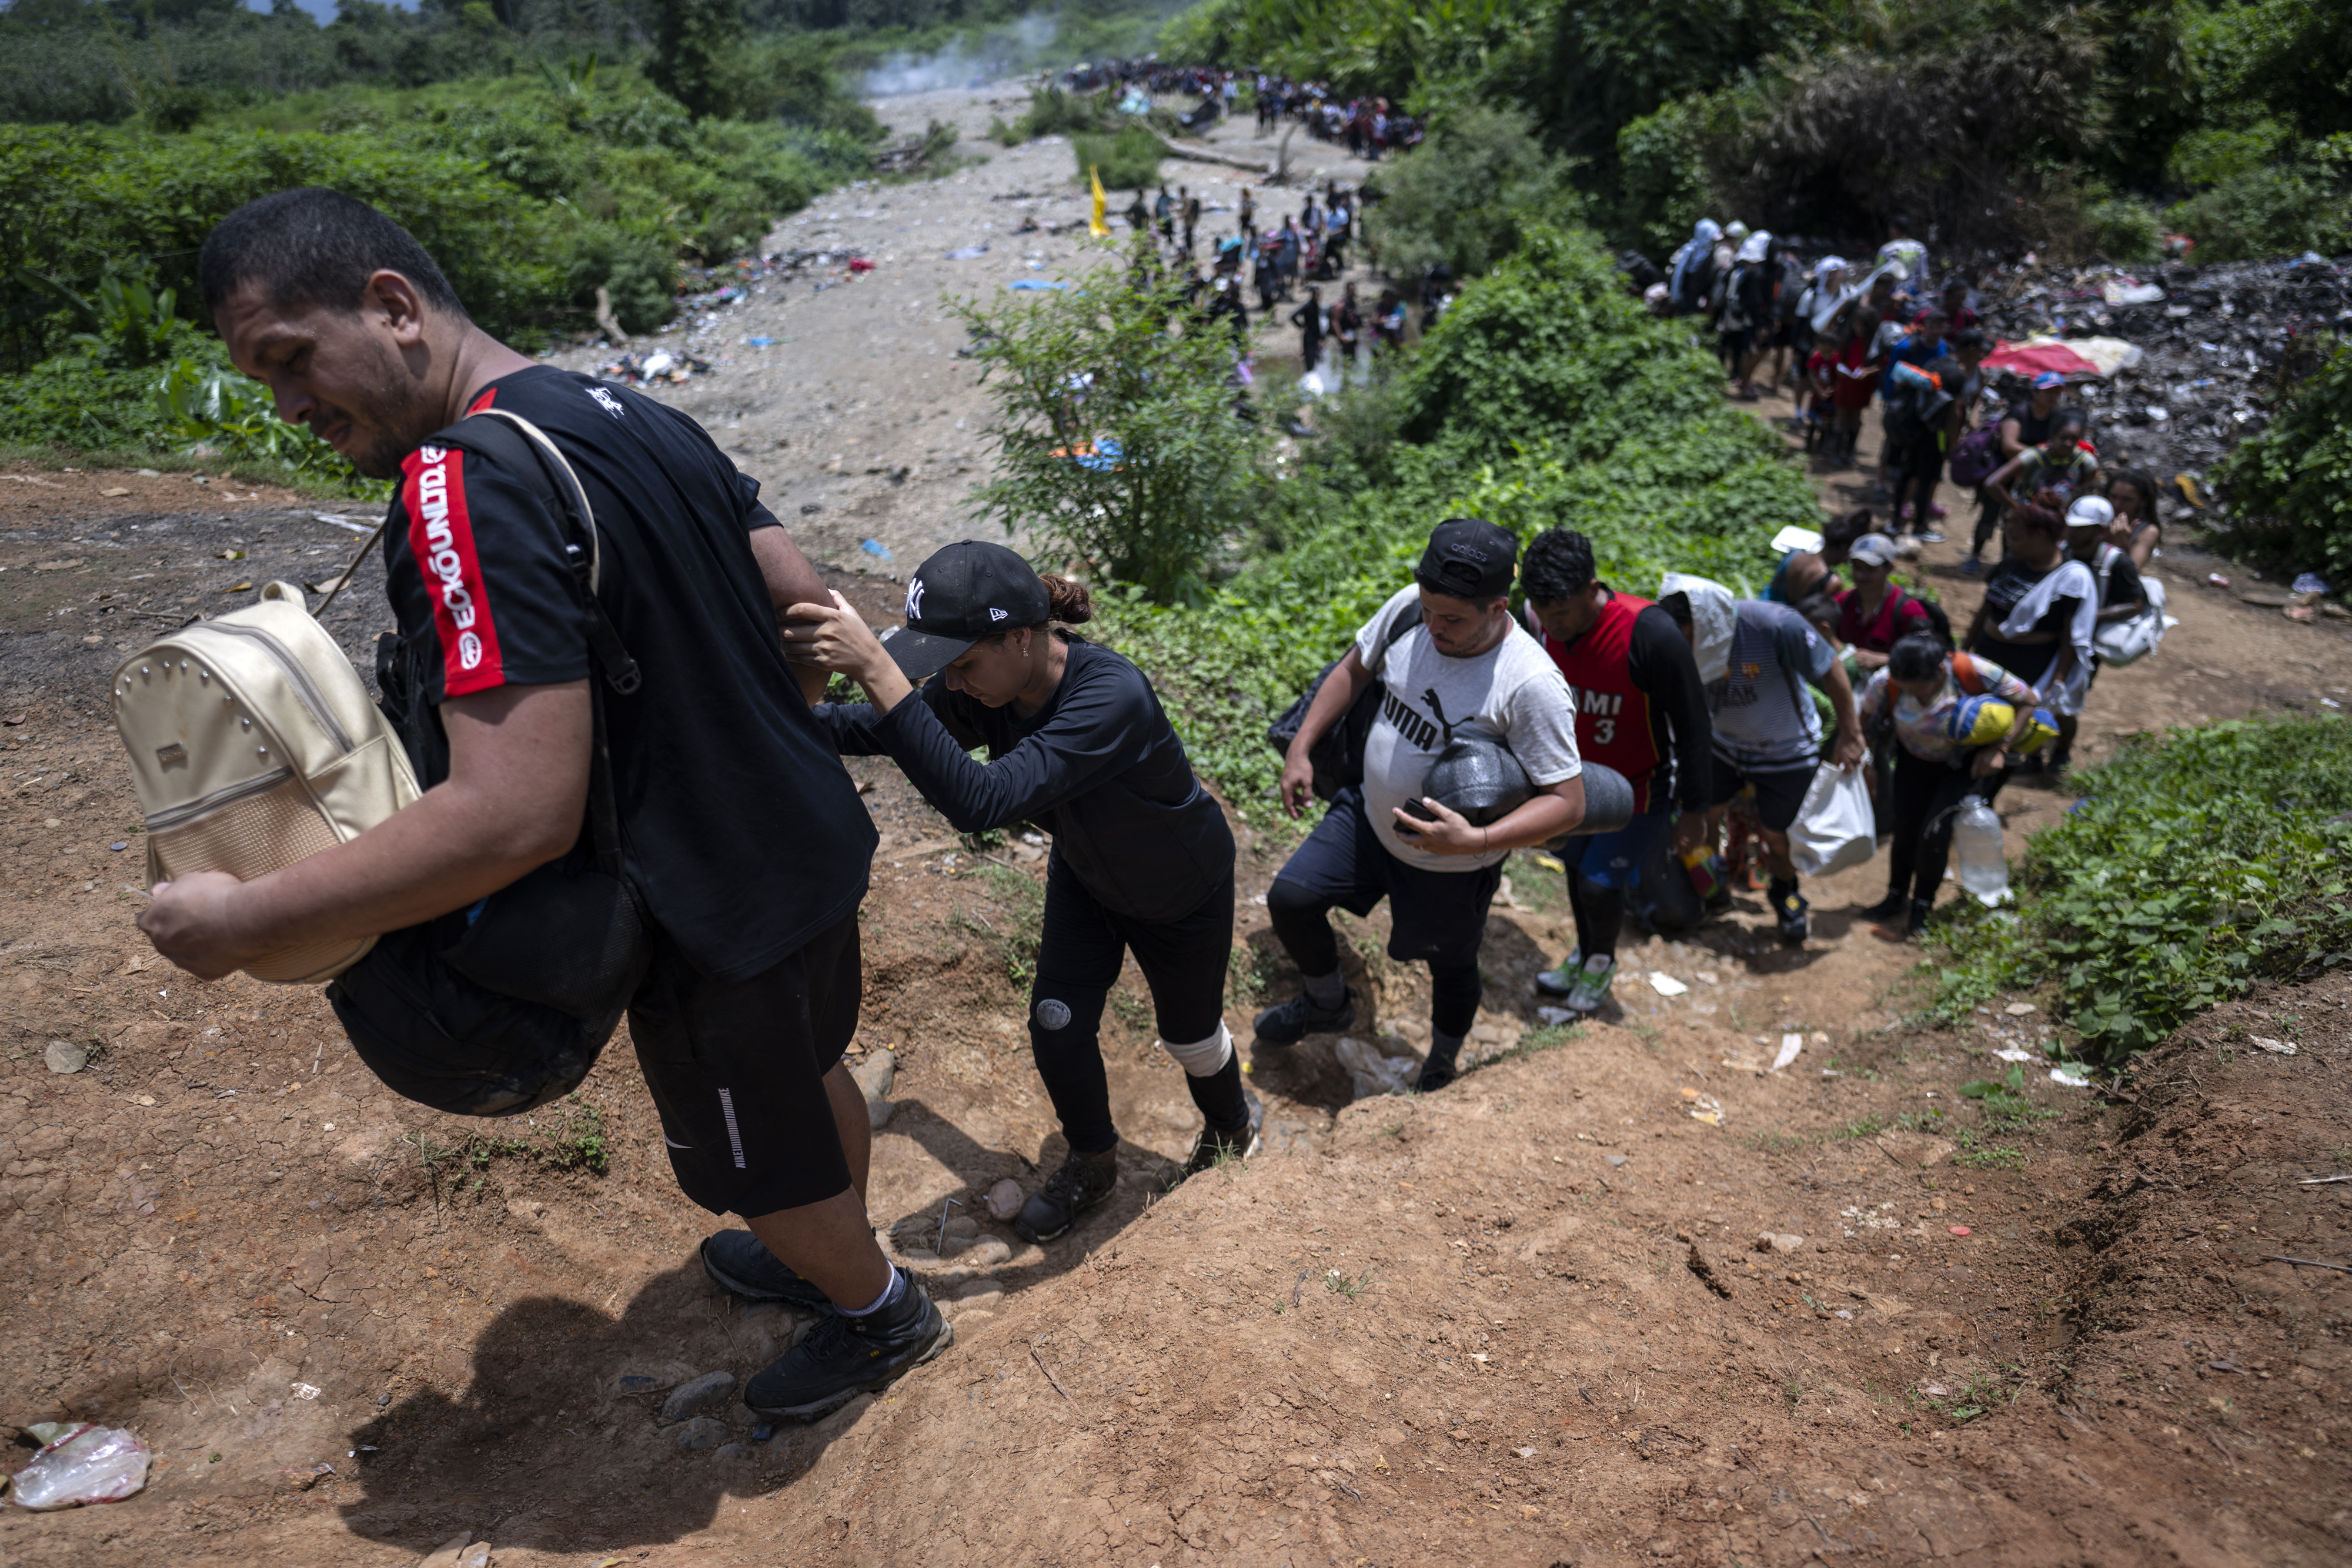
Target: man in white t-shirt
(1465,669)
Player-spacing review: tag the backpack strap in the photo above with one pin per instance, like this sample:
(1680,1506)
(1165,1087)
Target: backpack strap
(525,452)
(1965,671)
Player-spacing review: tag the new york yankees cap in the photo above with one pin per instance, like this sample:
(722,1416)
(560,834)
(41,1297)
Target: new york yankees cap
(962,594)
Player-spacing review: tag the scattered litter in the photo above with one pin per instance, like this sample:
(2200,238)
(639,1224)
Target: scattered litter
(1035,283)
(1708,1111)
(968,253)
(876,548)
(79,1463)
(2310,582)
(1791,1045)
(1551,1017)
(306,1391)
(1844,1313)
(1958,1229)
(1004,1199)
(65,1057)
(2279,1047)
(646,369)
(2010,1053)
(118,848)
(1793,537)
(2021,1009)
(760,342)
(2072,1074)
(1666,985)
(2130,291)
(1373,1070)
(2217,579)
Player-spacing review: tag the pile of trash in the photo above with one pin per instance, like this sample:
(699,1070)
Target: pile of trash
(660,366)
(2203,340)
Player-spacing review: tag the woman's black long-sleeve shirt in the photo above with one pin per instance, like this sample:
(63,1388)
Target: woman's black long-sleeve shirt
(1099,766)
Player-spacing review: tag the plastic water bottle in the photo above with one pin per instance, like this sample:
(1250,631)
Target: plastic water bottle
(1976,842)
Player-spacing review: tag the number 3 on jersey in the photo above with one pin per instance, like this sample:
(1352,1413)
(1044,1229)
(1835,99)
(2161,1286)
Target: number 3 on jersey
(1604,731)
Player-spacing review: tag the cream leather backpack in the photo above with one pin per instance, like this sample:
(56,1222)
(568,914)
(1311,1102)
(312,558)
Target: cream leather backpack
(254,745)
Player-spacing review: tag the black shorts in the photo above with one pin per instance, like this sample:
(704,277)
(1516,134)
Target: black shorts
(1780,792)
(1434,917)
(737,1069)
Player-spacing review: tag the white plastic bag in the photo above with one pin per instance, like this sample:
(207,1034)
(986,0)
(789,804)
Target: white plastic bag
(1375,1072)
(2129,641)
(1833,830)
(83,1464)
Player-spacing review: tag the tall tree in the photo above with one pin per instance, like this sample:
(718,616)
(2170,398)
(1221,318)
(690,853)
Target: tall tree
(695,45)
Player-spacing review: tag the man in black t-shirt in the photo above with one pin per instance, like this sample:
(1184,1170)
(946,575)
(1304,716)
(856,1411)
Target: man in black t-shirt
(752,992)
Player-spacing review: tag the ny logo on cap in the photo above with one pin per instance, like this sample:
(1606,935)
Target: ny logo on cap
(915,600)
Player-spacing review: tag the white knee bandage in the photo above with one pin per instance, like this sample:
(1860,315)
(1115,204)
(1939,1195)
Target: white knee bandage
(1204,1058)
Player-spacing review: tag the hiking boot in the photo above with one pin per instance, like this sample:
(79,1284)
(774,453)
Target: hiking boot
(1084,1181)
(1437,1071)
(1593,983)
(1789,912)
(843,1356)
(1561,981)
(1918,921)
(736,1261)
(1287,1023)
(1887,911)
(1216,1144)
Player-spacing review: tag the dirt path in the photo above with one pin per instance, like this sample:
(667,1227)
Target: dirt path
(1531,1319)
(858,419)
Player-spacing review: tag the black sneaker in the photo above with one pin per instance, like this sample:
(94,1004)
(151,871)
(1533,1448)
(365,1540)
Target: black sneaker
(842,1357)
(1789,912)
(1084,1181)
(1437,1071)
(1918,922)
(1215,1145)
(1887,911)
(736,1261)
(1287,1023)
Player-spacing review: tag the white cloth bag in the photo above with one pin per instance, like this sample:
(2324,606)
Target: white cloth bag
(1833,830)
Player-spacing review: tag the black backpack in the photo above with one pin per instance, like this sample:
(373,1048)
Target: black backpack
(498,1009)
(1339,757)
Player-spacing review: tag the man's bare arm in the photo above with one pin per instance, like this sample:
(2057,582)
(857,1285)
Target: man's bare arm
(517,790)
(791,581)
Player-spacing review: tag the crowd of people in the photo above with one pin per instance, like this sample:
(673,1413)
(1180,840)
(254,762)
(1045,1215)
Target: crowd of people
(1720,713)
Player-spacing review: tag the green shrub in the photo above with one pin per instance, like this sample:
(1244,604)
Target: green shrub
(1096,373)
(2125,230)
(2197,863)
(1127,161)
(2290,487)
(1463,195)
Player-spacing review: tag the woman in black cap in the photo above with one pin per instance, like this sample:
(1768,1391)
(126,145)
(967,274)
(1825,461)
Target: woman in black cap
(1142,858)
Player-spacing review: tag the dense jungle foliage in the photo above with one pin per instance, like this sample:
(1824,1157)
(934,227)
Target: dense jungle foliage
(1999,123)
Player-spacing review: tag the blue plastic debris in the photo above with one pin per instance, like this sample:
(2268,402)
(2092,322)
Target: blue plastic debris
(763,1431)
(1035,282)
(876,548)
(760,342)
(122,846)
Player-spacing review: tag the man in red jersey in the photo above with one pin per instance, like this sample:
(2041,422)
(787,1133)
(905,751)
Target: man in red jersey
(1641,709)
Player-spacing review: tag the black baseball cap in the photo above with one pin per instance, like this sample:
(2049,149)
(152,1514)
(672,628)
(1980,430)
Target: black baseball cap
(1468,560)
(962,594)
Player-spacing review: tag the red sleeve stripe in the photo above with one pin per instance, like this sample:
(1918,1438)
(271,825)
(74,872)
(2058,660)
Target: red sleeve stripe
(441,539)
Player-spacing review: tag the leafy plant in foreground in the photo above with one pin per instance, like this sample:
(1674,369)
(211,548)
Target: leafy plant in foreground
(2197,862)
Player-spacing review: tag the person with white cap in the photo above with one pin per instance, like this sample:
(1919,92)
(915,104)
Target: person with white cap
(1753,304)
(1142,858)
(2121,596)
(1690,271)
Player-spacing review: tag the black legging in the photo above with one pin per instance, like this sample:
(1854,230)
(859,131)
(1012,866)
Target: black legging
(1925,795)
(1599,914)
(1080,948)
(1922,461)
(1302,923)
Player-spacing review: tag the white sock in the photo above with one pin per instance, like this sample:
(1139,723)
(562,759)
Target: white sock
(889,1294)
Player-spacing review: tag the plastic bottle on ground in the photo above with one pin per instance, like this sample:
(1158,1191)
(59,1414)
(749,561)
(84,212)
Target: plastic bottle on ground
(1976,844)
